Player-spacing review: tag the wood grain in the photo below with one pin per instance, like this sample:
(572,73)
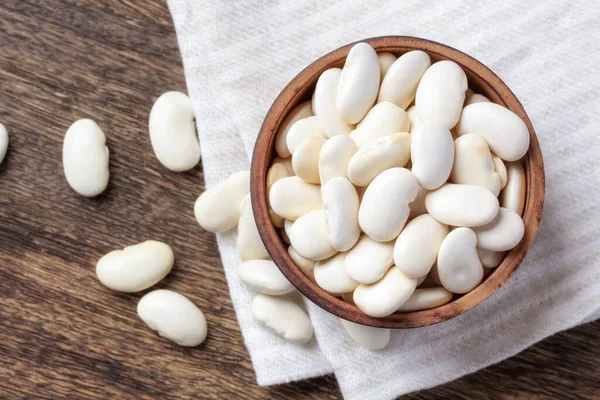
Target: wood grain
(63,335)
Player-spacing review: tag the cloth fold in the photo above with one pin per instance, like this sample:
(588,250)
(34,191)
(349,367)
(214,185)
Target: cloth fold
(238,56)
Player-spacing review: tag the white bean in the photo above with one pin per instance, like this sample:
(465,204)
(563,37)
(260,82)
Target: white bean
(513,195)
(400,83)
(173,133)
(432,154)
(490,258)
(462,205)
(385,62)
(249,244)
(424,299)
(441,93)
(458,265)
(377,156)
(476,98)
(301,111)
(417,246)
(473,164)
(286,162)
(385,296)
(305,159)
(3,142)
(348,298)
(383,119)
(503,233)
(367,336)
(284,317)
(417,207)
(174,316)
(85,158)
(136,267)
(331,275)
(334,157)
(276,172)
(415,121)
(301,130)
(359,83)
(340,204)
(505,131)
(306,266)
(310,238)
(384,208)
(324,104)
(500,169)
(291,197)
(264,277)
(369,260)
(218,208)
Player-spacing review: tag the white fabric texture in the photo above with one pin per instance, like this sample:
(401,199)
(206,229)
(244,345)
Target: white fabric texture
(238,56)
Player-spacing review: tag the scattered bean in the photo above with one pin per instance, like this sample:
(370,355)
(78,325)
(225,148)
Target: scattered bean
(218,208)
(3,142)
(249,244)
(174,316)
(136,267)
(173,132)
(367,336)
(284,317)
(85,158)
(264,277)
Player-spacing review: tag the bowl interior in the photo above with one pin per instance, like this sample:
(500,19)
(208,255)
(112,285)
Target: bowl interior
(481,80)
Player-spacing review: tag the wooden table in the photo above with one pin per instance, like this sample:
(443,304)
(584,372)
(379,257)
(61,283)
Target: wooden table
(62,334)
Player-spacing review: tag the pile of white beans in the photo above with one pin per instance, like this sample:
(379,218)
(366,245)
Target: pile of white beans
(403,195)
(393,206)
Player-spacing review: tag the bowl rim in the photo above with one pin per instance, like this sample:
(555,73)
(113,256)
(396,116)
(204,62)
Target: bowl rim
(263,153)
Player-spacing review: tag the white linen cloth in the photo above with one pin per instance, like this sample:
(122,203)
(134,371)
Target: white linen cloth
(238,56)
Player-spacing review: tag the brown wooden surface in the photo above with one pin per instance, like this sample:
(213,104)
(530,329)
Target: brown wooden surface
(300,89)
(64,336)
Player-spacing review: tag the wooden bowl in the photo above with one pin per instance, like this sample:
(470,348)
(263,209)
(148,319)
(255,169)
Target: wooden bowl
(481,80)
